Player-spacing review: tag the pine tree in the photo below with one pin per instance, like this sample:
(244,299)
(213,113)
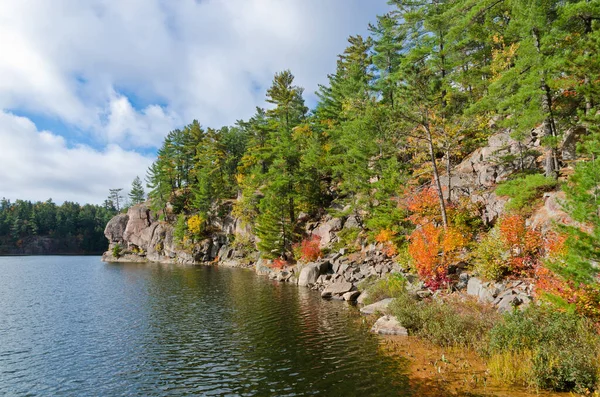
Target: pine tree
(116,198)
(137,194)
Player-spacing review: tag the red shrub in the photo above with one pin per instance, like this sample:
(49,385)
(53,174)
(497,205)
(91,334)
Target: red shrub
(310,249)
(279,263)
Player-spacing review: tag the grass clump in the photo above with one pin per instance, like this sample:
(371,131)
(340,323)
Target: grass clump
(545,349)
(524,191)
(445,322)
(392,286)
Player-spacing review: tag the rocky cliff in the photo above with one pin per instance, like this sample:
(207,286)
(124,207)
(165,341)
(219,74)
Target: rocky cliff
(138,237)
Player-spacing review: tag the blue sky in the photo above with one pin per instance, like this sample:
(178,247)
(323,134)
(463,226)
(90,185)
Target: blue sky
(90,87)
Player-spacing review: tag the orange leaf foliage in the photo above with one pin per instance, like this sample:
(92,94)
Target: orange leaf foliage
(310,248)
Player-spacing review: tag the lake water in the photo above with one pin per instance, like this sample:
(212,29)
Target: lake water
(74,326)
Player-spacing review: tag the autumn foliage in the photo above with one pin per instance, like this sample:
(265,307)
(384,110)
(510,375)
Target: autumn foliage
(279,263)
(385,238)
(433,248)
(309,249)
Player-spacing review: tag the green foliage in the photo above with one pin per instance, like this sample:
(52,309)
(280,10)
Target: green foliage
(347,238)
(80,227)
(490,257)
(116,251)
(583,201)
(391,286)
(137,194)
(525,191)
(180,230)
(445,322)
(561,349)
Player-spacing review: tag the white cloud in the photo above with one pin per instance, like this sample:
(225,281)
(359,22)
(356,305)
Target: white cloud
(38,165)
(127,72)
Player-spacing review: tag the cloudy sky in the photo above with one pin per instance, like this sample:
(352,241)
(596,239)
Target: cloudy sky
(89,88)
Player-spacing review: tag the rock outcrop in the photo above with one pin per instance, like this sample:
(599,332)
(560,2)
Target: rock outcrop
(141,238)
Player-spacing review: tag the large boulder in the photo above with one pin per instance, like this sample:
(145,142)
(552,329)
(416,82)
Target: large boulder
(139,220)
(326,229)
(309,275)
(377,307)
(116,228)
(337,289)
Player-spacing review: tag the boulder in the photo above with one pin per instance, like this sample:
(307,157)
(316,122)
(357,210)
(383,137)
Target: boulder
(139,219)
(377,307)
(362,297)
(325,230)
(389,325)
(115,228)
(337,288)
(351,296)
(309,275)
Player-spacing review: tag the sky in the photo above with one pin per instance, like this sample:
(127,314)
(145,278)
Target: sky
(89,88)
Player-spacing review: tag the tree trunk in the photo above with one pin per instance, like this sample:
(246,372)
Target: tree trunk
(436,177)
(449,173)
(551,161)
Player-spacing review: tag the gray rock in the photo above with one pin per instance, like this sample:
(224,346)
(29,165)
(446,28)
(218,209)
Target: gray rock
(337,288)
(115,228)
(424,293)
(361,298)
(389,325)
(351,296)
(474,286)
(508,303)
(377,307)
(309,275)
(463,280)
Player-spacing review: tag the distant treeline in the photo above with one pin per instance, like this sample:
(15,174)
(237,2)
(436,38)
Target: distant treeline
(73,227)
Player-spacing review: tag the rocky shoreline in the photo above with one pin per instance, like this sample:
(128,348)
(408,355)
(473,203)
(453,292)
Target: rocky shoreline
(338,275)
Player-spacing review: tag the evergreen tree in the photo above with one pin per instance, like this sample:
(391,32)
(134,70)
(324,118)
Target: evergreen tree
(137,194)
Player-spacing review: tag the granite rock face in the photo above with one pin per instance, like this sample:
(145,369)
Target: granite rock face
(144,239)
(115,228)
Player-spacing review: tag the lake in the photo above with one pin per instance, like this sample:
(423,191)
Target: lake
(74,326)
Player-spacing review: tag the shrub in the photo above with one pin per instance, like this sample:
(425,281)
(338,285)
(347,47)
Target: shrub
(309,249)
(195,225)
(524,191)
(490,257)
(391,286)
(561,350)
(347,238)
(386,237)
(445,322)
(116,251)
(433,250)
(180,229)
(279,263)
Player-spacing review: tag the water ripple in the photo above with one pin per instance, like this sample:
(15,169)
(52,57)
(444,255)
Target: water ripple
(73,326)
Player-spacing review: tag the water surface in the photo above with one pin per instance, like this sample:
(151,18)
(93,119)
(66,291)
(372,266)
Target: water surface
(74,326)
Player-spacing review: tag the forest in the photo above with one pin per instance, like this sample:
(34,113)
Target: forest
(432,82)
(71,227)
